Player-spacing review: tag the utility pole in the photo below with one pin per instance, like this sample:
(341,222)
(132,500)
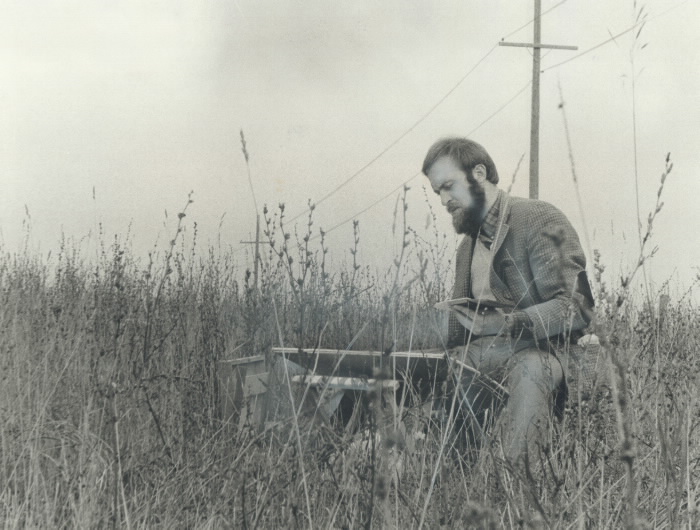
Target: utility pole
(244,148)
(257,250)
(536,46)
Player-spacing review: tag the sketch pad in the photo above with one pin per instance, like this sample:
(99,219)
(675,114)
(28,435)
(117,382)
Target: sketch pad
(471,303)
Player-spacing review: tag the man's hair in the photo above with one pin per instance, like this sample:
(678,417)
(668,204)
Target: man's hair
(466,153)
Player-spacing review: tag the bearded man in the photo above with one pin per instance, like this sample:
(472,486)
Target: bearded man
(523,257)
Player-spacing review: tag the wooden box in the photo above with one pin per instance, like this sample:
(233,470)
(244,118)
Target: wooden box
(243,385)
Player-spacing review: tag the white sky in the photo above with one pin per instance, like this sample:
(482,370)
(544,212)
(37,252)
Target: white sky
(143,101)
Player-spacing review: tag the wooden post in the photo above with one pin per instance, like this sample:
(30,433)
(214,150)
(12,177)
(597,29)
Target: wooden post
(258,260)
(257,250)
(536,46)
(535,118)
(257,212)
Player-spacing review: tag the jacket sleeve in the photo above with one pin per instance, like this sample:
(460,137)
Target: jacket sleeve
(558,266)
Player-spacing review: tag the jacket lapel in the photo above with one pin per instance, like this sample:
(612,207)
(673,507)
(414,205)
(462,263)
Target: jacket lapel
(463,266)
(502,229)
(499,289)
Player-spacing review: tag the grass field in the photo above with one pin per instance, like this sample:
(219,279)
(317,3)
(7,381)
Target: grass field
(110,415)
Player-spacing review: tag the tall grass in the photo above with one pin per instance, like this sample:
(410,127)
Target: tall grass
(111,417)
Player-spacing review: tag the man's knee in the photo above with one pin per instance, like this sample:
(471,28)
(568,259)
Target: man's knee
(488,354)
(535,367)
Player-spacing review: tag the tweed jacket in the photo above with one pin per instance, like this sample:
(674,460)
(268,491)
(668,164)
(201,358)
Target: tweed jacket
(538,267)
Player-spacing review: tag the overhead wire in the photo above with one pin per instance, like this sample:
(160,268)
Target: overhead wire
(405,182)
(615,37)
(397,140)
(357,214)
(503,106)
(419,121)
(524,87)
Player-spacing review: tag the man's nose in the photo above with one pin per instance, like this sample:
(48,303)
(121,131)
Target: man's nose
(444,197)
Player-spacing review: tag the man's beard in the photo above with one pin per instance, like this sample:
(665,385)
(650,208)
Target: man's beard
(469,220)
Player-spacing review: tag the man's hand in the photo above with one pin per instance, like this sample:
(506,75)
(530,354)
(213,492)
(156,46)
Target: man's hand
(485,322)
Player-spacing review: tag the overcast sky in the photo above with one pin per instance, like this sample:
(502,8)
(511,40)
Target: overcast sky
(143,101)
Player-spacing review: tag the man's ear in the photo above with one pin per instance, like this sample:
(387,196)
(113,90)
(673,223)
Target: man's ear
(480,173)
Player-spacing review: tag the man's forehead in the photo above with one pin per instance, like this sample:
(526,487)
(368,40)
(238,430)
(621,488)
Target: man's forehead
(444,168)
(445,162)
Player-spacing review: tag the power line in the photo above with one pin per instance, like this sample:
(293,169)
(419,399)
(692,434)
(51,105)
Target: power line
(405,182)
(524,87)
(614,37)
(352,217)
(501,107)
(418,122)
(392,144)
